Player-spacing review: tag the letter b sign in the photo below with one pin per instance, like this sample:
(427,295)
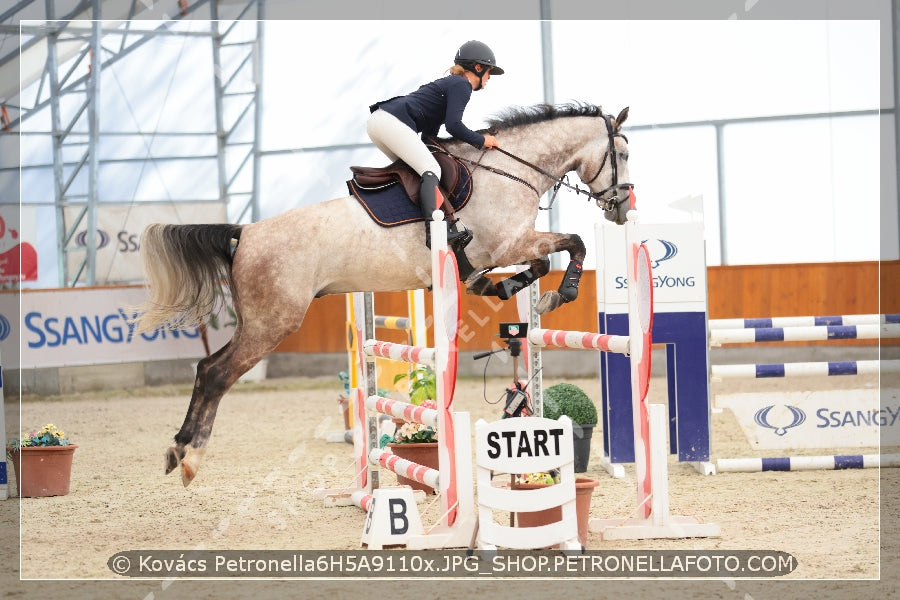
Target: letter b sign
(393,518)
(399,521)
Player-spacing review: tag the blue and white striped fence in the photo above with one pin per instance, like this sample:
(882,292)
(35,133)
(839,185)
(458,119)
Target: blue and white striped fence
(803,321)
(806,463)
(804,369)
(718,337)
(795,329)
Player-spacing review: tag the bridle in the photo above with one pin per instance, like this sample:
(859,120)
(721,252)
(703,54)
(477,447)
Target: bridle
(612,202)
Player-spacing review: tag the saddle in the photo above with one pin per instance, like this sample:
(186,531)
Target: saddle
(377,178)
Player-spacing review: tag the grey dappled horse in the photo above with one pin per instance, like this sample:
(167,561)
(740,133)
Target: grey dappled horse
(282,263)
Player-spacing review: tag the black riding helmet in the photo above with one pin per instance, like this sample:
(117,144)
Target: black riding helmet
(474,52)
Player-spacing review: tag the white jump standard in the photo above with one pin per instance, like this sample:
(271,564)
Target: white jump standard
(648,421)
(453,479)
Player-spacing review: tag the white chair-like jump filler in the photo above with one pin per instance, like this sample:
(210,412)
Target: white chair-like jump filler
(526,445)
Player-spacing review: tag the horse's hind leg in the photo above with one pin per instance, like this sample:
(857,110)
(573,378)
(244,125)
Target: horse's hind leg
(215,376)
(175,454)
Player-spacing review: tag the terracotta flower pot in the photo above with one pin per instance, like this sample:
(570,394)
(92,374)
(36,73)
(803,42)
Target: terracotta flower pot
(43,470)
(584,489)
(423,453)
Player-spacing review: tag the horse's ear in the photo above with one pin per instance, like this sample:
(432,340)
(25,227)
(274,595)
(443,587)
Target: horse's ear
(621,118)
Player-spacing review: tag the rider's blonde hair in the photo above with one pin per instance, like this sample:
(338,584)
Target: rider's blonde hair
(457,70)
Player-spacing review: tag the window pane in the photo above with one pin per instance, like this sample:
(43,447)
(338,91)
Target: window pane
(802,191)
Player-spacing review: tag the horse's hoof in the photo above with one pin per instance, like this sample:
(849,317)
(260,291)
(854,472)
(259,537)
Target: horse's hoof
(549,301)
(190,464)
(482,287)
(172,460)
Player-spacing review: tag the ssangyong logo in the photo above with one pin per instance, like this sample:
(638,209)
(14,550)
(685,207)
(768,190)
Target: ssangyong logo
(81,239)
(660,251)
(761,418)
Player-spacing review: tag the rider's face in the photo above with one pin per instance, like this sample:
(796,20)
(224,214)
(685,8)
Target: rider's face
(484,79)
(479,69)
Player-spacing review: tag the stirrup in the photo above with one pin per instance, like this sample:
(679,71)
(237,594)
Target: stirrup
(456,240)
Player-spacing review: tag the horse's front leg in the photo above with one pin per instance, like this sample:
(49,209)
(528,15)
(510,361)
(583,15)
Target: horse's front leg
(568,287)
(482,285)
(532,248)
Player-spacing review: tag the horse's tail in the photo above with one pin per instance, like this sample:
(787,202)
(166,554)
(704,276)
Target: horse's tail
(186,267)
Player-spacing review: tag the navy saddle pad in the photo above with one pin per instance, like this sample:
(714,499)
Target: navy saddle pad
(390,205)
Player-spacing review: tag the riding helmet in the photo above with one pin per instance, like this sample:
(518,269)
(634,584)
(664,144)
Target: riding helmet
(475,52)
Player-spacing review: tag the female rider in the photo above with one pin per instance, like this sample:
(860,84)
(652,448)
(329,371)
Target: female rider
(394,125)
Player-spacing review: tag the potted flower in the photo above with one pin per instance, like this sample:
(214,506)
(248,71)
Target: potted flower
(584,489)
(567,399)
(43,462)
(416,443)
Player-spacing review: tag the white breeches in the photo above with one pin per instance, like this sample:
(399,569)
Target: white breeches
(396,140)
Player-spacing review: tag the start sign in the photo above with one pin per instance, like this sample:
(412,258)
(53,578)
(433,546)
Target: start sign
(525,444)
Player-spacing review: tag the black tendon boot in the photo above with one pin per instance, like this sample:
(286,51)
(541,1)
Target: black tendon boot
(430,198)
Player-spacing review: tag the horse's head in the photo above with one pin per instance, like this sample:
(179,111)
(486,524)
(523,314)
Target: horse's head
(606,170)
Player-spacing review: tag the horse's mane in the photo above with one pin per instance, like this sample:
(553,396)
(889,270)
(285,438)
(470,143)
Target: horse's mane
(516,116)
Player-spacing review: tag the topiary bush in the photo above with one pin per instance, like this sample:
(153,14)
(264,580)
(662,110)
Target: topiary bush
(567,399)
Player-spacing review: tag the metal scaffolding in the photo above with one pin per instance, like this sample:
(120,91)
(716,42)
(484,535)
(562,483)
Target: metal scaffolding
(103,32)
(100,33)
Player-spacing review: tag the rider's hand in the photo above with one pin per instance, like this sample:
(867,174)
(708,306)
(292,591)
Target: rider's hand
(490,142)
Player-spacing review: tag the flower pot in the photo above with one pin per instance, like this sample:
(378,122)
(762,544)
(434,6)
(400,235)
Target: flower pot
(582,441)
(43,470)
(423,453)
(584,489)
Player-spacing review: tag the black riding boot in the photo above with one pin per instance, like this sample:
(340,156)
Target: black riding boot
(428,201)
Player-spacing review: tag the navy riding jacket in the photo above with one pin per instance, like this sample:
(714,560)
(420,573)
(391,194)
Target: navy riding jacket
(441,102)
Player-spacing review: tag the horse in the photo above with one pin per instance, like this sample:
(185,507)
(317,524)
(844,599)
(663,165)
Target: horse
(274,268)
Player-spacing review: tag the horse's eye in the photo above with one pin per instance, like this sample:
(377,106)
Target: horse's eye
(623,156)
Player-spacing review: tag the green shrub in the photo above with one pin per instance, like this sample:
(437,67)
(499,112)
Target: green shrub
(568,399)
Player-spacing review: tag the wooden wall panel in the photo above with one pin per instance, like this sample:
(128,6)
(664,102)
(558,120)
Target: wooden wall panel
(816,289)
(744,291)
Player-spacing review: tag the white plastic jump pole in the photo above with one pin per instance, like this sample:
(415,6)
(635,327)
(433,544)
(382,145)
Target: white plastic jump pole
(803,321)
(718,337)
(807,463)
(803,369)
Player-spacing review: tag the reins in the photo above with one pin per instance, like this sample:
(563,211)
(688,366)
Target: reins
(607,204)
(560,181)
(478,165)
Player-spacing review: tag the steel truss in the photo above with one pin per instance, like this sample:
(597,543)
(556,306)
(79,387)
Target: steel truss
(104,33)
